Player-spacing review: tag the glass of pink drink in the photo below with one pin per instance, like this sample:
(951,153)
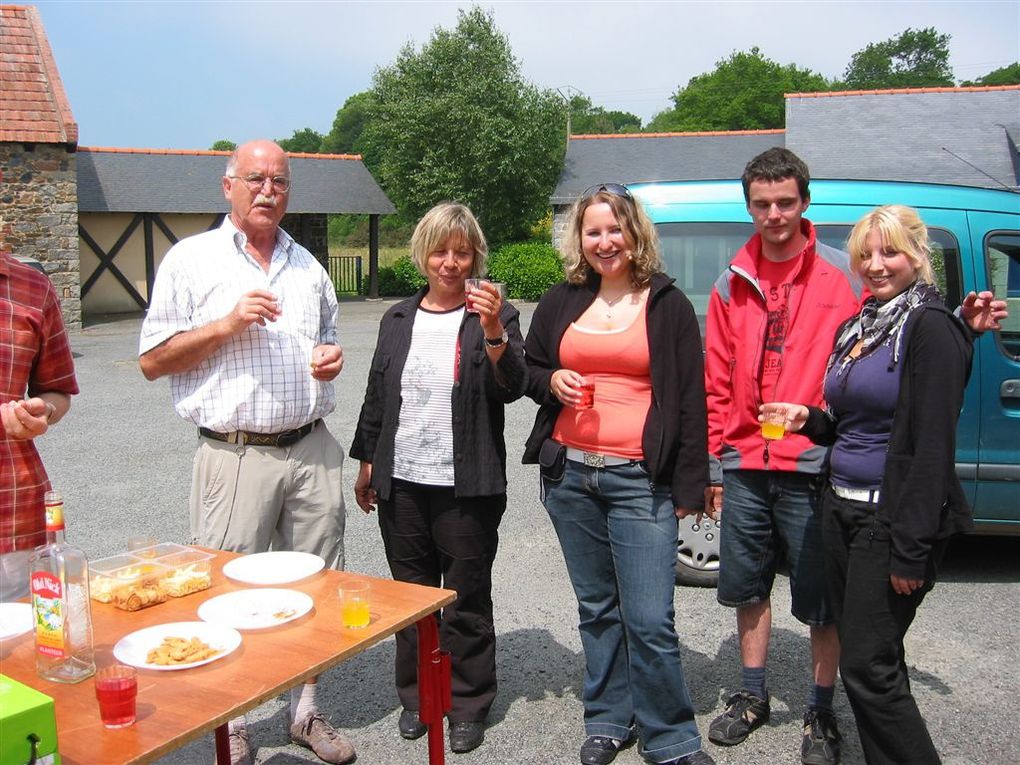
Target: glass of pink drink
(117,690)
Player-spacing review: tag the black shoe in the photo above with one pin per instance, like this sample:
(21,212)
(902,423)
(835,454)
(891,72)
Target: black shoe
(410,726)
(465,736)
(695,758)
(744,712)
(821,738)
(600,750)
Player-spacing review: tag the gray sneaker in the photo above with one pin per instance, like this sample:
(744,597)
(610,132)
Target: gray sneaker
(821,738)
(744,712)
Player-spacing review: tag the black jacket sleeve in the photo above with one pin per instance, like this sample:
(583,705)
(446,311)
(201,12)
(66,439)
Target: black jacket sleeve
(920,467)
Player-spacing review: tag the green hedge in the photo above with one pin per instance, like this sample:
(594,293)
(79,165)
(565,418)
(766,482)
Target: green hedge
(527,269)
(399,280)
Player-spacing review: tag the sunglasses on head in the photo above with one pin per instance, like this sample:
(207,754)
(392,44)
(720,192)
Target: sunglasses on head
(616,189)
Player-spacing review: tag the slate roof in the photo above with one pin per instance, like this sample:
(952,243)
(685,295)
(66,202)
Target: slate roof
(961,136)
(33,105)
(171,181)
(639,157)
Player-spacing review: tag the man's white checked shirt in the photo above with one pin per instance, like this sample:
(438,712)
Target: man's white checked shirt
(260,380)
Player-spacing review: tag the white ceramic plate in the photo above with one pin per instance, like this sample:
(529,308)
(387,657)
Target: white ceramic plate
(274,567)
(134,648)
(15,619)
(255,609)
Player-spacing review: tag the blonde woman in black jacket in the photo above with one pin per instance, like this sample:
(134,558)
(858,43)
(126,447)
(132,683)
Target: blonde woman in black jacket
(430,441)
(894,389)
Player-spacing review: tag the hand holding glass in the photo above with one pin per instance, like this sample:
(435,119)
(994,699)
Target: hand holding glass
(587,389)
(773,424)
(475,285)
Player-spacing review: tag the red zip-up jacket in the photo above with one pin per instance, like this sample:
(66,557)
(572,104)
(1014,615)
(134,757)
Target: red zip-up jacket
(825,293)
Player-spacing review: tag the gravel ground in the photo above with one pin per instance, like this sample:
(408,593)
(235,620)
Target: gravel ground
(123,462)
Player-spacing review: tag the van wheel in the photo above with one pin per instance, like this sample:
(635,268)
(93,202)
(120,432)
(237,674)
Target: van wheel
(697,552)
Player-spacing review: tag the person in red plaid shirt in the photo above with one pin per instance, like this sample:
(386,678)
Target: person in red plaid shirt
(36,384)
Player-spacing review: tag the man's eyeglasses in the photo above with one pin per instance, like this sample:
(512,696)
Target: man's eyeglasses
(616,189)
(280,183)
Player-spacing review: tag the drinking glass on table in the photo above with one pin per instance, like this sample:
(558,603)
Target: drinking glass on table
(354,603)
(117,692)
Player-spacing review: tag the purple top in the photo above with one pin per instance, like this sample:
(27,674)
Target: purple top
(862,397)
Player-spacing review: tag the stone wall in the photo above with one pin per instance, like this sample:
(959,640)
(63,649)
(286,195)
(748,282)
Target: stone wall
(39,215)
(559,226)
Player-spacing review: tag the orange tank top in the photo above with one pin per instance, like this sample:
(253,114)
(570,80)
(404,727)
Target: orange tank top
(618,363)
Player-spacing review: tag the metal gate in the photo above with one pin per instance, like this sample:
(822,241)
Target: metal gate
(345,273)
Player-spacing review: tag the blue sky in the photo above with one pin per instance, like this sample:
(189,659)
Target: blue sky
(184,74)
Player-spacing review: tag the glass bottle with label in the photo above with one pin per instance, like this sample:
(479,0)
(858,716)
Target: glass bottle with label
(59,581)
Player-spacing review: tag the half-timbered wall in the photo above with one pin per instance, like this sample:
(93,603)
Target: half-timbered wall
(121,252)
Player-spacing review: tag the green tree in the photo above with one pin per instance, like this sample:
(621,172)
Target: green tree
(743,92)
(586,118)
(914,59)
(1007,75)
(349,124)
(223,145)
(305,141)
(457,121)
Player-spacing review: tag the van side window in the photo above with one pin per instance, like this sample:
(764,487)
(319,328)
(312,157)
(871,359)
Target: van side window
(1002,255)
(945,257)
(696,253)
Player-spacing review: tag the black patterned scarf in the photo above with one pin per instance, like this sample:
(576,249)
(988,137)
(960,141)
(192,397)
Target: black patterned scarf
(880,323)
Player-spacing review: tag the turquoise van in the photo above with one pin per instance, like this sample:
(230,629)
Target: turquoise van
(976,245)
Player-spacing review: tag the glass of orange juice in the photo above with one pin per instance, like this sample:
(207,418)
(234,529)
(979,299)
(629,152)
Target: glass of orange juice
(773,424)
(354,603)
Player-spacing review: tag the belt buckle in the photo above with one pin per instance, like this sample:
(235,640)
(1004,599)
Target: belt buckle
(594,460)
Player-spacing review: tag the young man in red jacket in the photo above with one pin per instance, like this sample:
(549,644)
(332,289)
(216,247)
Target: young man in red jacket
(771,318)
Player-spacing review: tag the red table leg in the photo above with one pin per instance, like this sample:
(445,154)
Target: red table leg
(433,687)
(222,745)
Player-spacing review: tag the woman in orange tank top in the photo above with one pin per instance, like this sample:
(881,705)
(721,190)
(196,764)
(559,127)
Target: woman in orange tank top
(614,359)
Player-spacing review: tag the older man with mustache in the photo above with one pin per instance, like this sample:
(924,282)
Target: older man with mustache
(243,320)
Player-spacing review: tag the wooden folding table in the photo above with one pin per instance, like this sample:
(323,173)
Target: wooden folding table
(176,707)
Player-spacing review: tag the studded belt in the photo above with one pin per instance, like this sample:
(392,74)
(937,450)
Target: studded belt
(591,459)
(246,438)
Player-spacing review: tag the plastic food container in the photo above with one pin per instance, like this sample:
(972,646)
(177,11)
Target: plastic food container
(159,551)
(188,571)
(128,582)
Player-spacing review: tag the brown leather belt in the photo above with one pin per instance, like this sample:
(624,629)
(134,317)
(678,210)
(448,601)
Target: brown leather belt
(244,437)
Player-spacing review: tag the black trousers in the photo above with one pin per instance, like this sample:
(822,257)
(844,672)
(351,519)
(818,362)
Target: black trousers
(436,539)
(872,621)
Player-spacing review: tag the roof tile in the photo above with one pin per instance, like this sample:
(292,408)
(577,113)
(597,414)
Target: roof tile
(34,107)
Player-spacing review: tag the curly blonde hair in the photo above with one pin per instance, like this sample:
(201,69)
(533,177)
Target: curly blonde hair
(902,230)
(438,225)
(638,233)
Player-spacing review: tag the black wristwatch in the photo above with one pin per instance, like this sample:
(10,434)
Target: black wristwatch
(497,342)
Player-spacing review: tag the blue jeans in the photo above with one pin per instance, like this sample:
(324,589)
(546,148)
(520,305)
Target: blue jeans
(767,514)
(618,533)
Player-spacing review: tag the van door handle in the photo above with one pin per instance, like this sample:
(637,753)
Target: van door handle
(1009,389)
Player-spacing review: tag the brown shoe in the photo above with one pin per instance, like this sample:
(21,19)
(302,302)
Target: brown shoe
(330,745)
(240,747)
